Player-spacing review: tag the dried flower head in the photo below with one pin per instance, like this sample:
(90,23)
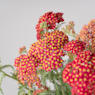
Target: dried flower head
(87,34)
(22,50)
(69,29)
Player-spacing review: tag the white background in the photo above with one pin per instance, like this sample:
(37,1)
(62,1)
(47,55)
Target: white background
(17,25)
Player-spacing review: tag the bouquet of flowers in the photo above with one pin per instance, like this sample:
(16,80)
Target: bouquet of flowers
(60,62)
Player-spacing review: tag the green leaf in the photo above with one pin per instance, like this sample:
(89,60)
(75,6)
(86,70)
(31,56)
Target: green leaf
(42,32)
(47,92)
(1,80)
(1,91)
(68,89)
(58,92)
(29,92)
(7,66)
(43,25)
(21,92)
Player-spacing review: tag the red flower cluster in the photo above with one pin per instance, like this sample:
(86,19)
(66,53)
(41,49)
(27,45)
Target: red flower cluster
(48,50)
(80,74)
(48,21)
(45,54)
(26,70)
(75,46)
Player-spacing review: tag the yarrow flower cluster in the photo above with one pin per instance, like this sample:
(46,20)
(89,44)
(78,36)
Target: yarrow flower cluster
(75,46)
(44,54)
(45,57)
(79,74)
(48,21)
(26,70)
(49,50)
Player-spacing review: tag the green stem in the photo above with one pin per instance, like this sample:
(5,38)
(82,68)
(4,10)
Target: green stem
(12,78)
(6,66)
(7,75)
(61,83)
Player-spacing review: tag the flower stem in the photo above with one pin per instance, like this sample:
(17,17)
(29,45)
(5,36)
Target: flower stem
(12,77)
(6,66)
(7,75)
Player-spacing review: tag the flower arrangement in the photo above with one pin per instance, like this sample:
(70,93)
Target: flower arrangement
(56,64)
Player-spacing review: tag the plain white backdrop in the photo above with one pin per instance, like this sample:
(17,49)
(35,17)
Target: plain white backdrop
(17,25)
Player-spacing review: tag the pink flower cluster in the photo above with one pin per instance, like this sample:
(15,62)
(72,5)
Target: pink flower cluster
(48,50)
(80,73)
(26,70)
(75,46)
(44,54)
